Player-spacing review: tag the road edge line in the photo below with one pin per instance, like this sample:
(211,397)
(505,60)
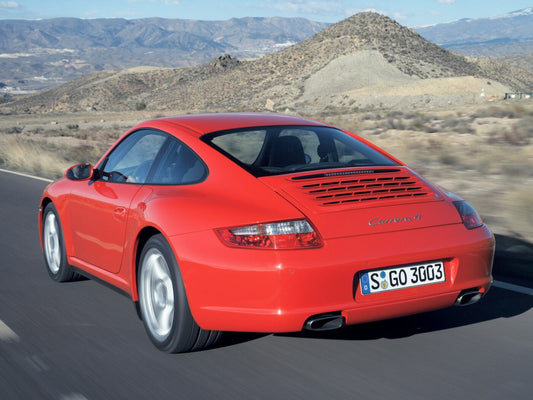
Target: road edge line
(7,334)
(26,175)
(513,287)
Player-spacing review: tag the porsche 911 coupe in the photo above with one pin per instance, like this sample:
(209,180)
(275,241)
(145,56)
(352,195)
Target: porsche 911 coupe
(258,222)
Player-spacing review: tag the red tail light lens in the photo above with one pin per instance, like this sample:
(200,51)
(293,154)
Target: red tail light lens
(468,214)
(285,235)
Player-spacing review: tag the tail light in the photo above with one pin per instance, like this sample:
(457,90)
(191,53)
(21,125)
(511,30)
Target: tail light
(285,235)
(468,214)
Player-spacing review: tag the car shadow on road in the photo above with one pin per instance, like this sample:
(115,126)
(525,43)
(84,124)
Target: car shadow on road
(513,260)
(498,303)
(513,263)
(235,338)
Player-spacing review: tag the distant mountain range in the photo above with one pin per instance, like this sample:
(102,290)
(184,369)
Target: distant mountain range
(45,53)
(362,62)
(38,55)
(506,35)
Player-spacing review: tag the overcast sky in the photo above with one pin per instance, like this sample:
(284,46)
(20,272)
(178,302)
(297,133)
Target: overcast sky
(410,13)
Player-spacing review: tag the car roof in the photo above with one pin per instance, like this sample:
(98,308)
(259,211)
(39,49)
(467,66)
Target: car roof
(206,123)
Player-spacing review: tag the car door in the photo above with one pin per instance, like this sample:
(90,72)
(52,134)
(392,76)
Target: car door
(99,208)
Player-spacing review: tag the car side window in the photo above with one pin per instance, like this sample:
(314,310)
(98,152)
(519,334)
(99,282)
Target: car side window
(178,165)
(245,146)
(133,157)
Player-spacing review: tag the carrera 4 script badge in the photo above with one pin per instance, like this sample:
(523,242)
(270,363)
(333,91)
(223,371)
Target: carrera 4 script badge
(397,220)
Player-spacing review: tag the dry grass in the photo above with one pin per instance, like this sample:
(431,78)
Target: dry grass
(28,156)
(46,145)
(483,153)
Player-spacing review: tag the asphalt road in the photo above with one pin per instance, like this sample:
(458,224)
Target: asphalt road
(81,340)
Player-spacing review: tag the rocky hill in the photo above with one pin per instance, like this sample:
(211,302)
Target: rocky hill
(358,60)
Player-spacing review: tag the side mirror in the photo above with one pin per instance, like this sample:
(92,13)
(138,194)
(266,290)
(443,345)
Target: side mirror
(80,172)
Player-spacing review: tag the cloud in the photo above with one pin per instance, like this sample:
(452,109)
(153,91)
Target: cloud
(317,7)
(320,8)
(166,2)
(447,1)
(9,4)
(400,16)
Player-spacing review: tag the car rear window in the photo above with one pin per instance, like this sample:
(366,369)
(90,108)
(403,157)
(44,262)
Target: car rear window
(285,149)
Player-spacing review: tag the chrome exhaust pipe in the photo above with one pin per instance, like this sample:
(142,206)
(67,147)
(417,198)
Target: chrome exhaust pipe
(467,297)
(324,322)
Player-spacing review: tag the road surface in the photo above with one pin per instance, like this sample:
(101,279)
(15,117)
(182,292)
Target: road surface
(83,341)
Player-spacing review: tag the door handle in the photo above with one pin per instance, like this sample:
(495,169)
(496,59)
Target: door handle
(120,213)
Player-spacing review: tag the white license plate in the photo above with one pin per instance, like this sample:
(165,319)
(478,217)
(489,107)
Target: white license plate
(402,277)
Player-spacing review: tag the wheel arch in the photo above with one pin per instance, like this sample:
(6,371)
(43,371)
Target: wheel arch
(143,236)
(44,202)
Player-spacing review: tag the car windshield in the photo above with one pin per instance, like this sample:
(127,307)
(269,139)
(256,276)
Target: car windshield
(277,150)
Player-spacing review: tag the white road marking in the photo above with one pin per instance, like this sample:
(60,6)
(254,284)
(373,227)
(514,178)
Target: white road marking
(38,364)
(25,175)
(512,287)
(73,396)
(7,334)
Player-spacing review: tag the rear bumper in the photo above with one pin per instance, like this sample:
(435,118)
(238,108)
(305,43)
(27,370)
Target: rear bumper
(277,291)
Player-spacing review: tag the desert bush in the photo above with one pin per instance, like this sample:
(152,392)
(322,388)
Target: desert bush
(511,169)
(459,125)
(448,158)
(504,111)
(14,130)
(83,153)
(515,137)
(420,123)
(520,134)
(393,123)
(521,205)
(522,131)
(395,114)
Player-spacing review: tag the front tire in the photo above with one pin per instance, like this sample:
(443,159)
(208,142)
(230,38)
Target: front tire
(55,255)
(163,302)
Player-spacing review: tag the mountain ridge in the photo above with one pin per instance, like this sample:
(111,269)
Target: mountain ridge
(368,42)
(38,55)
(489,36)
(57,50)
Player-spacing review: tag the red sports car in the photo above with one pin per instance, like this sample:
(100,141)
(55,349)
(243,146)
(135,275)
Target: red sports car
(261,223)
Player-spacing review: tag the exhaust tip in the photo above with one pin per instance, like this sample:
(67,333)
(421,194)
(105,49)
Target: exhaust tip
(324,322)
(467,297)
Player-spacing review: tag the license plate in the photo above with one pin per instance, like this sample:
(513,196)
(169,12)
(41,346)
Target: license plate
(402,277)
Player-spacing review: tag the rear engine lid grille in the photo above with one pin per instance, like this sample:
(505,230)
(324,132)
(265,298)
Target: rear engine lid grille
(363,186)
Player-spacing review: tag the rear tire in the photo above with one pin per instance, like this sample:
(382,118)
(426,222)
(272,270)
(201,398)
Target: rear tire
(55,254)
(163,302)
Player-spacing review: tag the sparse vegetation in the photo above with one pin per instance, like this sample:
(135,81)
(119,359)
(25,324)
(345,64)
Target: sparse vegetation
(43,147)
(28,156)
(481,154)
(139,106)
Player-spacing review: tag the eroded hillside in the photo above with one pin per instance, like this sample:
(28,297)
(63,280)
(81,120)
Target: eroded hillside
(351,64)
